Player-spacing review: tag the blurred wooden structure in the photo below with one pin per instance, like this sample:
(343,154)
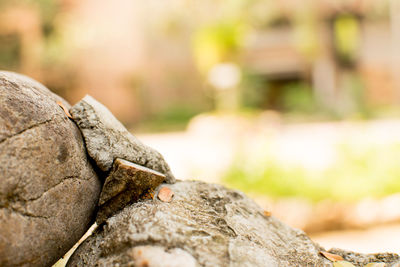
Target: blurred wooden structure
(274,53)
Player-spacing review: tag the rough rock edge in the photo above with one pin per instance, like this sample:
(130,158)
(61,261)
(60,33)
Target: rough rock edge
(126,183)
(107,139)
(360,259)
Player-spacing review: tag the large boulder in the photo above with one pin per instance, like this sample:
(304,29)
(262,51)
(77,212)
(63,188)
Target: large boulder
(203,225)
(48,189)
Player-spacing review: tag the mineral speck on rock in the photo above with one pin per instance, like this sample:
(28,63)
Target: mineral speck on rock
(126,183)
(165,194)
(48,189)
(107,139)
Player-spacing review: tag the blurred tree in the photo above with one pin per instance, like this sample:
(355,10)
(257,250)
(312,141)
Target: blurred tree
(216,43)
(346,31)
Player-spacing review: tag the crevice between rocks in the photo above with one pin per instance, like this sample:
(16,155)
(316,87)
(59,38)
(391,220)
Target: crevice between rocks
(102,175)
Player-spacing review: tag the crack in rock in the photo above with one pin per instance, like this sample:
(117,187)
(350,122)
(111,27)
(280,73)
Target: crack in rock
(26,129)
(45,205)
(24,213)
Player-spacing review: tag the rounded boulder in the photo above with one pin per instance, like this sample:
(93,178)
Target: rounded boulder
(48,188)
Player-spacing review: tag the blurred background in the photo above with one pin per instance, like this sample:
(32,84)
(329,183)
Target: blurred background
(295,102)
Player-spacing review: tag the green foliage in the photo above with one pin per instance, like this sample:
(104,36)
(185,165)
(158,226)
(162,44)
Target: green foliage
(353,86)
(217,42)
(359,171)
(47,8)
(293,97)
(252,91)
(305,28)
(9,52)
(347,37)
(174,118)
(299,97)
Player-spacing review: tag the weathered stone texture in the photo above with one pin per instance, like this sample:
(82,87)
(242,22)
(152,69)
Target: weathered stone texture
(126,183)
(213,225)
(359,259)
(107,139)
(48,189)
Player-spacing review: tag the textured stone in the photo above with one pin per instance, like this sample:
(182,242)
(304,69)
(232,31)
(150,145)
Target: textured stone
(216,226)
(126,183)
(107,139)
(48,189)
(204,225)
(359,259)
(144,256)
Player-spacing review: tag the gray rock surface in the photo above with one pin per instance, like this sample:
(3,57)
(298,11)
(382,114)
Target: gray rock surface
(359,259)
(176,257)
(107,139)
(126,183)
(203,225)
(48,189)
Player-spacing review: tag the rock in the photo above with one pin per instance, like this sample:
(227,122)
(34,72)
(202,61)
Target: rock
(203,225)
(126,183)
(48,189)
(359,259)
(107,139)
(144,256)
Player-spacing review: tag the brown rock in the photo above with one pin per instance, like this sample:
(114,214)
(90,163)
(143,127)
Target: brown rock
(48,189)
(126,183)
